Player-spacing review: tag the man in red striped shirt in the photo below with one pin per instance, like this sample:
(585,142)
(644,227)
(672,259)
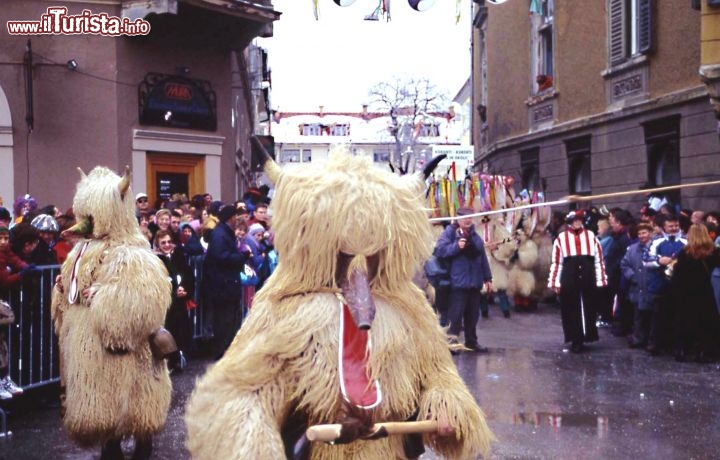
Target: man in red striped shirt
(577,270)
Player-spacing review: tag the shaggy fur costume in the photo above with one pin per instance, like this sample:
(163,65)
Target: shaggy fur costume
(284,360)
(499,259)
(110,395)
(521,279)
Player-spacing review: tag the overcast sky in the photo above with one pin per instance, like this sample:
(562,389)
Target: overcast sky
(335,60)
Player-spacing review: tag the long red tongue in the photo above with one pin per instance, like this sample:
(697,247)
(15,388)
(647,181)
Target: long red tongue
(357,387)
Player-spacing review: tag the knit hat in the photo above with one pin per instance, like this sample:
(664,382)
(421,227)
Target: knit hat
(45,223)
(226,212)
(255,229)
(214,208)
(4,214)
(4,229)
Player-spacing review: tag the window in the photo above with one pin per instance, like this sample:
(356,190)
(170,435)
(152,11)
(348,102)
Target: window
(429,130)
(381,156)
(290,156)
(340,130)
(543,61)
(630,29)
(530,165)
(579,168)
(662,138)
(310,129)
(306,155)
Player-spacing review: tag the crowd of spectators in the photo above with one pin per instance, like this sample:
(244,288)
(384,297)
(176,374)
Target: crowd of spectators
(662,265)
(663,272)
(183,233)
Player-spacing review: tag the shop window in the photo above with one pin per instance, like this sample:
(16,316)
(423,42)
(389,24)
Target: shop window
(662,138)
(629,29)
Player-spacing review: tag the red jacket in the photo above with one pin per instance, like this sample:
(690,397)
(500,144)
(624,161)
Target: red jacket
(10,265)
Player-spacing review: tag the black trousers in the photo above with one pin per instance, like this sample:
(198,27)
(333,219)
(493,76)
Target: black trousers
(224,313)
(578,312)
(641,326)
(464,313)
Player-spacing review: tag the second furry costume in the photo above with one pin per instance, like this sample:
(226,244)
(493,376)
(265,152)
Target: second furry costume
(283,371)
(113,295)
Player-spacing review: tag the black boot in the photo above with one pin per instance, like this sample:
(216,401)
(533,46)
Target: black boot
(111,450)
(143,448)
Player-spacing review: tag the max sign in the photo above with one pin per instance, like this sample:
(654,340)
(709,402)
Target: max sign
(177,101)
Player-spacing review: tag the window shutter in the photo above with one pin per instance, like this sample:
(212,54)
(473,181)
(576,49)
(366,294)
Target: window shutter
(644,26)
(617,31)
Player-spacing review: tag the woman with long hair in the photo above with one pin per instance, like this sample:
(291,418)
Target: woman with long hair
(697,319)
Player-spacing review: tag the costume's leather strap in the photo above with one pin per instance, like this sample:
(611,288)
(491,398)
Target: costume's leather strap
(74,291)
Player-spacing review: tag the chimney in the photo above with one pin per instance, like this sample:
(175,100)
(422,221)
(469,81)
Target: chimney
(322,107)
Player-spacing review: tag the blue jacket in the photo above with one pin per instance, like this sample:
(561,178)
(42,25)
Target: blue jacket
(662,247)
(469,267)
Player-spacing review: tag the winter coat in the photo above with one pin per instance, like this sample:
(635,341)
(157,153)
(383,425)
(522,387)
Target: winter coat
(665,246)
(696,316)
(10,267)
(613,256)
(469,267)
(636,277)
(223,262)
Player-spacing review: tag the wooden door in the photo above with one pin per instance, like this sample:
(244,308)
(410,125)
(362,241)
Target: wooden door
(168,174)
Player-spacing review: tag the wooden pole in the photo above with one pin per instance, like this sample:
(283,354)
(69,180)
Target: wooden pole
(330,433)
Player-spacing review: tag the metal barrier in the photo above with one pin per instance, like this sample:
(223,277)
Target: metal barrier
(32,343)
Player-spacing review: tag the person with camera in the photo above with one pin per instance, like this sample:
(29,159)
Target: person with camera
(659,260)
(464,251)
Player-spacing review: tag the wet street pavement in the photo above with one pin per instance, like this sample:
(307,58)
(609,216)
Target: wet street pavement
(542,402)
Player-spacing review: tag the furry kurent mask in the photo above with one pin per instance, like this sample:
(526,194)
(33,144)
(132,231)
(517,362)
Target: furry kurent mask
(356,227)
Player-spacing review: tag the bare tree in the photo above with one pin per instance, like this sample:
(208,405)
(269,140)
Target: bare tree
(409,102)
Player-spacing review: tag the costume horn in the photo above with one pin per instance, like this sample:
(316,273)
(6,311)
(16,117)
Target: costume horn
(82,173)
(124,182)
(271,168)
(430,167)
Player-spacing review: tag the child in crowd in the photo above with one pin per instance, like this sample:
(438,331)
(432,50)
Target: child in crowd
(12,269)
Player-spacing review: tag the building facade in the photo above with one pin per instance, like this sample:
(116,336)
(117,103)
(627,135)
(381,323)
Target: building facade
(596,97)
(175,104)
(304,137)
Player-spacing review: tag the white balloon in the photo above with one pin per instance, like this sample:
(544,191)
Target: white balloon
(421,5)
